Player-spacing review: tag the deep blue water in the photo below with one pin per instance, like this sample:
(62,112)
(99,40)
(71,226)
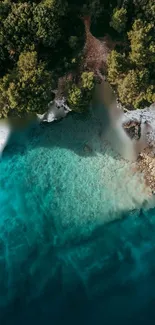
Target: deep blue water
(75,246)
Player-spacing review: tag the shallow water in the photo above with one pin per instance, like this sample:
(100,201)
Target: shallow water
(75,244)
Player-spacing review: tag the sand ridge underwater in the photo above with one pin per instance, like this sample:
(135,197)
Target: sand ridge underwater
(75,245)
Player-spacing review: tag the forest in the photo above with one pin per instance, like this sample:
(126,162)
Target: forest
(43,48)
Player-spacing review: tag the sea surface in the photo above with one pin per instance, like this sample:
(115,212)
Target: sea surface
(77,242)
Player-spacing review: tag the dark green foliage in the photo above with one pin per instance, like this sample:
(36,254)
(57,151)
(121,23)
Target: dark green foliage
(25,26)
(27,88)
(132,70)
(5,7)
(47,20)
(87,7)
(142,40)
(18,27)
(41,40)
(119,19)
(73,42)
(133,89)
(79,96)
(145,9)
(118,66)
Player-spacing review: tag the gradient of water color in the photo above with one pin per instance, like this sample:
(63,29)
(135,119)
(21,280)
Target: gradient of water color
(75,245)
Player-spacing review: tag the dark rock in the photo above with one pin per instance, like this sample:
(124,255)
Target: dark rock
(133,129)
(87,149)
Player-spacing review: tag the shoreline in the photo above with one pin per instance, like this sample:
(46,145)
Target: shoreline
(145,164)
(5,131)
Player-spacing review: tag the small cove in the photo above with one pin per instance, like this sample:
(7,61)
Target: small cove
(73,236)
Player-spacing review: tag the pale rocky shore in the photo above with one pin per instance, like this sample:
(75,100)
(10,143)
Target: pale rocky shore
(5,131)
(132,123)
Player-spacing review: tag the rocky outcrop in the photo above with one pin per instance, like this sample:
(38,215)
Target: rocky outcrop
(146,165)
(57,109)
(133,129)
(132,123)
(5,131)
(137,117)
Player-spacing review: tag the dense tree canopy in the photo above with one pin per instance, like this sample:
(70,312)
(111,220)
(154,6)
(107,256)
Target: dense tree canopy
(119,19)
(132,69)
(142,43)
(27,88)
(80,95)
(42,40)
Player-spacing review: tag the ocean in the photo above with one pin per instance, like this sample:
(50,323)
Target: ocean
(77,244)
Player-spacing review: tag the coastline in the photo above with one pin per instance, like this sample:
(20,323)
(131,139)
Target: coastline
(145,164)
(55,181)
(146,160)
(5,131)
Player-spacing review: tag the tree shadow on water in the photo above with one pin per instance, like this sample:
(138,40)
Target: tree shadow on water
(81,133)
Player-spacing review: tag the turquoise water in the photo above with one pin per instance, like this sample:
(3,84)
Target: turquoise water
(75,243)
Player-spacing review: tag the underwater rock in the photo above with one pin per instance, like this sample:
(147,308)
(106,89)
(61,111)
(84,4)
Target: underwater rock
(87,149)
